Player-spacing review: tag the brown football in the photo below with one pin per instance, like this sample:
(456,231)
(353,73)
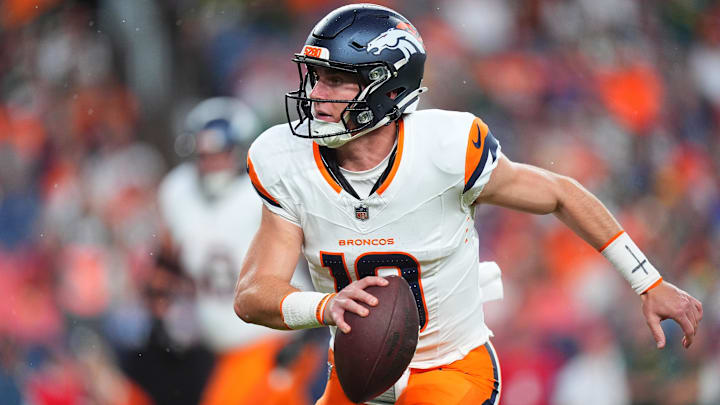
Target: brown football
(379,347)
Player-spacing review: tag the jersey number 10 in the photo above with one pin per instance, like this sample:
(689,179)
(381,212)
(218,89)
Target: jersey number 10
(369,264)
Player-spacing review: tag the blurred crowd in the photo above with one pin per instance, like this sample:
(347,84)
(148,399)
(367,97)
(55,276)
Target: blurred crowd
(622,95)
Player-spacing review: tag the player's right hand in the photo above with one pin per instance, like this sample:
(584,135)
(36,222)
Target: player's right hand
(347,300)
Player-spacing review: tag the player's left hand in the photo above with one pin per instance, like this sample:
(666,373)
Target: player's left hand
(669,302)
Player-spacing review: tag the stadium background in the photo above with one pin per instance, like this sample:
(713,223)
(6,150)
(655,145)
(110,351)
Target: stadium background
(622,95)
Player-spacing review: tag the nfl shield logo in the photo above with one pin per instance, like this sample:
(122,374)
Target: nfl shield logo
(361,212)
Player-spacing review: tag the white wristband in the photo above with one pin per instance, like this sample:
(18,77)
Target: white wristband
(304,309)
(627,258)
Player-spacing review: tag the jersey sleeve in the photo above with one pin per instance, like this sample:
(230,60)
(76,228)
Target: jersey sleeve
(267,184)
(481,157)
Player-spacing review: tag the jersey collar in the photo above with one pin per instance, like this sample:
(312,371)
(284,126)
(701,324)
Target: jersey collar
(337,181)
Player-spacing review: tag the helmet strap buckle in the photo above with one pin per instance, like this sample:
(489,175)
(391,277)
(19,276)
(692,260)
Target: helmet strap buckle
(394,114)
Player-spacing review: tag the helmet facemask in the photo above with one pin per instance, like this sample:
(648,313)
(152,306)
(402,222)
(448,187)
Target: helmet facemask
(357,118)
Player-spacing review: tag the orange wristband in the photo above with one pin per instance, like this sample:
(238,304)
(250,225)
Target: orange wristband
(320,310)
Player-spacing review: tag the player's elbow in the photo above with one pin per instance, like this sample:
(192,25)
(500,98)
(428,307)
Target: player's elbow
(549,192)
(239,307)
(243,303)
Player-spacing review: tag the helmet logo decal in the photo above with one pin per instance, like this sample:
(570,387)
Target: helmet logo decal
(394,38)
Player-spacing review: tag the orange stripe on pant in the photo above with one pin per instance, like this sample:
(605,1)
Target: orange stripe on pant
(474,379)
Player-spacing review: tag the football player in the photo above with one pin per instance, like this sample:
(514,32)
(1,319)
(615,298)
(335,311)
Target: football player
(211,212)
(364,185)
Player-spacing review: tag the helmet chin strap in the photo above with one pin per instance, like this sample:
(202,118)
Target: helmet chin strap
(322,134)
(322,130)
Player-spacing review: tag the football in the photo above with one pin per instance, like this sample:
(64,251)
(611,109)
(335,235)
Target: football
(379,347)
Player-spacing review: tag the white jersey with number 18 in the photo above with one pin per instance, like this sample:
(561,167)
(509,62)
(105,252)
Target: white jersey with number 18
(417,224)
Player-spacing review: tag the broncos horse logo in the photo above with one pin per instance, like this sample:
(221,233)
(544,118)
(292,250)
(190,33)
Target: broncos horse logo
(395,39)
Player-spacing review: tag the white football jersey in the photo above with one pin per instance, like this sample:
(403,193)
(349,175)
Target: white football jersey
(212,237)
(418,223)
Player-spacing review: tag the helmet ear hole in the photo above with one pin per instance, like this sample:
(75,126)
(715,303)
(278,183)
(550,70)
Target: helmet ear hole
(392,94)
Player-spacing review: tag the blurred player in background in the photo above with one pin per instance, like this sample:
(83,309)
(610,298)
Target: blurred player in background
(364,186)
(210,211)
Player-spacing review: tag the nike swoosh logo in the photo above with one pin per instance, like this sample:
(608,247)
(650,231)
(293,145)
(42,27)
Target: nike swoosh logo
(477,143)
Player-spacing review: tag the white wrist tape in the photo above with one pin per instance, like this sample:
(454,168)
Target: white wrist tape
(627,258)
(304,309)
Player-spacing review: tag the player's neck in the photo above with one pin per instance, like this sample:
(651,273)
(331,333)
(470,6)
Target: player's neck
(368,150)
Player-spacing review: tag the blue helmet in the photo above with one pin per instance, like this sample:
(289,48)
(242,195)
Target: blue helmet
(378,45)
(217,124)
(216,134)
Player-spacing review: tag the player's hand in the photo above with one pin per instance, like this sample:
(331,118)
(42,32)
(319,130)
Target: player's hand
(347,300)
(669,302)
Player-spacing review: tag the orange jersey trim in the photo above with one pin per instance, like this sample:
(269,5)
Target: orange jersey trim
(475,147)
(610,241)
(398,156)
(258,186)
(323,170)
(334,184)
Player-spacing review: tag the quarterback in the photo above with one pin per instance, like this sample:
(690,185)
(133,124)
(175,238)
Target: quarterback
(363,185)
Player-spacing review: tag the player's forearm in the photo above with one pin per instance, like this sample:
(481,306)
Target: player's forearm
(265,275)
(258,300)
(583,212)
(532,189)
